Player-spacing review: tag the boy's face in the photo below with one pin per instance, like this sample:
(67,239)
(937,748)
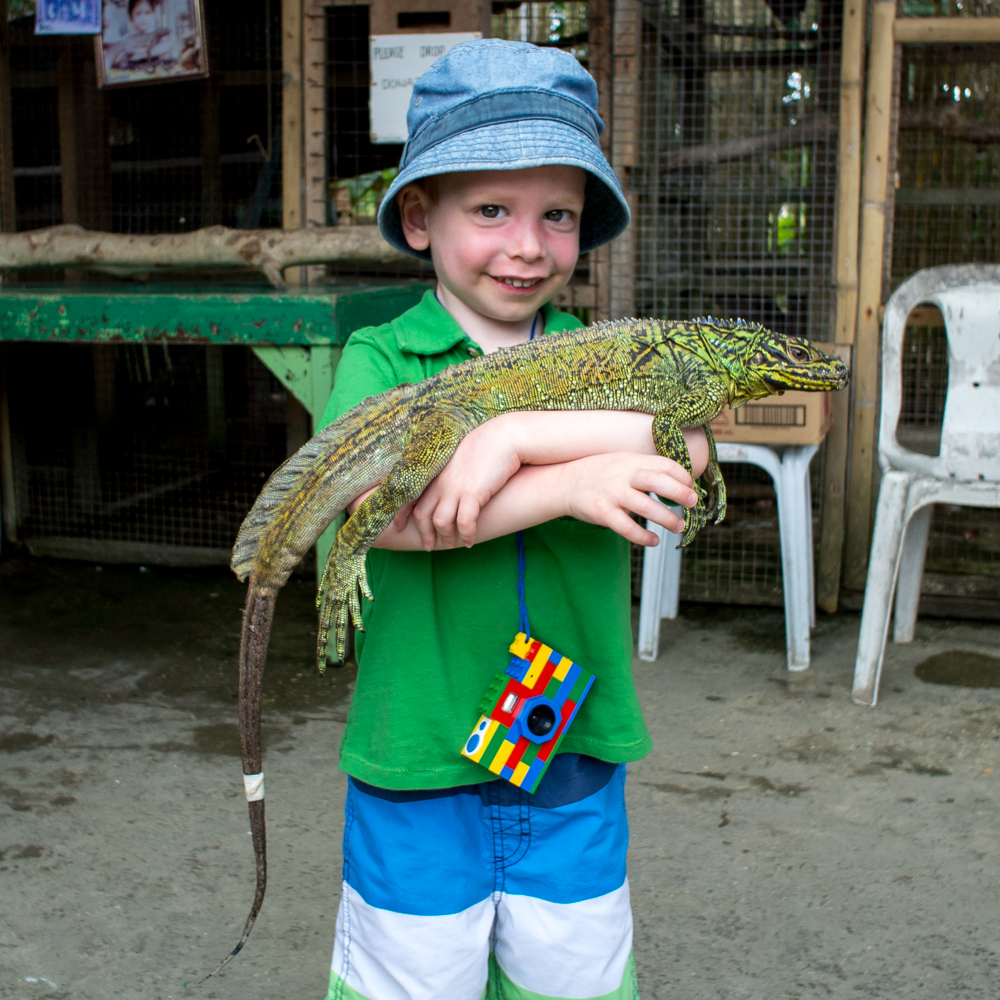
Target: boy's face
(503,241)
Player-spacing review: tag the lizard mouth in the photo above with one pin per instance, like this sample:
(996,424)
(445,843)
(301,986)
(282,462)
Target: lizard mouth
(818,378)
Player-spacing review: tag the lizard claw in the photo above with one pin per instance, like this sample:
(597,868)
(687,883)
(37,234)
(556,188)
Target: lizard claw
(339,601)
(715,510)
(694,518)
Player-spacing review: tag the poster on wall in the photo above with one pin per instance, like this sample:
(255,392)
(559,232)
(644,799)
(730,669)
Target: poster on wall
(397,61)
(150,41)
(68,17)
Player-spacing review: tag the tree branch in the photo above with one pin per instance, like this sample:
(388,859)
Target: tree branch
(269,251)
(819,128)
(948,122)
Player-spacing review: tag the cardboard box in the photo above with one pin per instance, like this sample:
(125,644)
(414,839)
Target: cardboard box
(794,418)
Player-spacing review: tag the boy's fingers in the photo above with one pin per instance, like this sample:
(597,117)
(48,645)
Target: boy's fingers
(424,505)
(618,521)
(466,520)
(425,526)
(402,517)
(444,522)
(645,506)
(668,467)
(668,487)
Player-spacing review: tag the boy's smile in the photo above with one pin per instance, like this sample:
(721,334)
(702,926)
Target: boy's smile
(503,242)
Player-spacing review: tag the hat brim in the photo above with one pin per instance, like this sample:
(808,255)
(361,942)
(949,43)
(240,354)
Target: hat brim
(517,145)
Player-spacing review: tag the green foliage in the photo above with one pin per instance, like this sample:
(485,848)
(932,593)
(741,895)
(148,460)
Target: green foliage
(357,199)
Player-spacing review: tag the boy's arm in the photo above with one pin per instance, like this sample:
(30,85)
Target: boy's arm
(598,467)
(447,512)
(600,489)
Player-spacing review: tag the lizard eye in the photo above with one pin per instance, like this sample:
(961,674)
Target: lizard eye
(758,358)
(798,354)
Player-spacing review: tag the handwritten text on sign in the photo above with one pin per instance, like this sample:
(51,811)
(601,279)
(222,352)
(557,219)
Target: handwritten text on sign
(397,62)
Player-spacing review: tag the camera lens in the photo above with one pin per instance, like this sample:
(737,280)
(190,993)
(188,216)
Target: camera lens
(541,720)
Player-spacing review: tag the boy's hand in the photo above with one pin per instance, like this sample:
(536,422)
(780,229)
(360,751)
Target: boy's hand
(605,489)
(448,510)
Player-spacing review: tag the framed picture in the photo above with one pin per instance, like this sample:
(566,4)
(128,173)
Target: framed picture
(68,17)
(150,41)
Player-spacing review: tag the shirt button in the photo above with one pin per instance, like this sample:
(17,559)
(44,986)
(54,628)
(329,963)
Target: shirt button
(473,351)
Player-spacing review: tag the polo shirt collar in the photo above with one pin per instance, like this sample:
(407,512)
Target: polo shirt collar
(428,328)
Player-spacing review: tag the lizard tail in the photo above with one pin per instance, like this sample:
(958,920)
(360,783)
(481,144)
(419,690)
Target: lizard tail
(306,493)
(258,613)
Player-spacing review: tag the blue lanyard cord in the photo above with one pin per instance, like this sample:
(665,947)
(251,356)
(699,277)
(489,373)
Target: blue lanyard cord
(523,626)
(520,535)
(520,545)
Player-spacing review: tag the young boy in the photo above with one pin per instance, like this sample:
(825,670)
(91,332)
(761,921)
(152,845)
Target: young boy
(457,887)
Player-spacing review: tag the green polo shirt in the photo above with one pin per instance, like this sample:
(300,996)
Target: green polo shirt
(439,628)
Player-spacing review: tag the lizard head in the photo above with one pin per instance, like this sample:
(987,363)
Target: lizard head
(781,362)
(760,362)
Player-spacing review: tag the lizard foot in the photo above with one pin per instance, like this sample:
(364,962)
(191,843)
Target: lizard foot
(715,510)
(339,601)
(694,519)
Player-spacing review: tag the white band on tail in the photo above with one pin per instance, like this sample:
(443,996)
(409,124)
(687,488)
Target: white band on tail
(253,784)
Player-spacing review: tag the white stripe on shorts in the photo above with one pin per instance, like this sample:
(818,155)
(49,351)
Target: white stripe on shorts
(397,956)
(572,950)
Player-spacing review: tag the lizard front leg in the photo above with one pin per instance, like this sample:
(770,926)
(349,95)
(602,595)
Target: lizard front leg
(344,577)
(670,442)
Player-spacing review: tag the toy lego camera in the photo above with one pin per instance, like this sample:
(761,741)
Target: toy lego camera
(527,711)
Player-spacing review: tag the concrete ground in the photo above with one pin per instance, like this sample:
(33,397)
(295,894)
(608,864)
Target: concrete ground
(785,843)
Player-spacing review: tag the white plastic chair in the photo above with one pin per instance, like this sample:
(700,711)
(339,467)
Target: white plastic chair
(967,470)
(661,568)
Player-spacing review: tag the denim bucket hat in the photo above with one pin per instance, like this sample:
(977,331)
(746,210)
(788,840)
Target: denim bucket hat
(497,105)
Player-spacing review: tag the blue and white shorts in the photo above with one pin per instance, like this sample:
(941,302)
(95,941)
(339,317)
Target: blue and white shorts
(461,897)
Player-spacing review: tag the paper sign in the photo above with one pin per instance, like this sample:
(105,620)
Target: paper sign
(397,62)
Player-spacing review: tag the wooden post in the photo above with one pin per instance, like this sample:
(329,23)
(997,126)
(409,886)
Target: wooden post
(879,112)
(8,493)
(8,215)
(831,543)
(291,122)
(67,133)
(84,157)
(314,119)
(211,155)
(626,55)
(215,399)
(599,51)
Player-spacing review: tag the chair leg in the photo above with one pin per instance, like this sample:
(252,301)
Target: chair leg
(808,540)
(882,566)
(670,599)
(911,574)
(654,563)
(795,528)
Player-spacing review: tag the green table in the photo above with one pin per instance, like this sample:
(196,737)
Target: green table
(298,335)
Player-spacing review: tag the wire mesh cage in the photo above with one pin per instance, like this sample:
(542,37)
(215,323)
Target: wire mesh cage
(725,119)
(145,452)
(164,158)
(947,211)
(140,453)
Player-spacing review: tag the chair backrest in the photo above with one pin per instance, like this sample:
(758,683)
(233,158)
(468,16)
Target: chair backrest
(968,296)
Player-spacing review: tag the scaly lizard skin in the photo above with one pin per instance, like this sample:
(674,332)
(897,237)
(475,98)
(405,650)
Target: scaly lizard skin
(683,373)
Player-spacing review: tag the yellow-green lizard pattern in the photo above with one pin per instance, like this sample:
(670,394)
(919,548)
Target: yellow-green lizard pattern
(683,373)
